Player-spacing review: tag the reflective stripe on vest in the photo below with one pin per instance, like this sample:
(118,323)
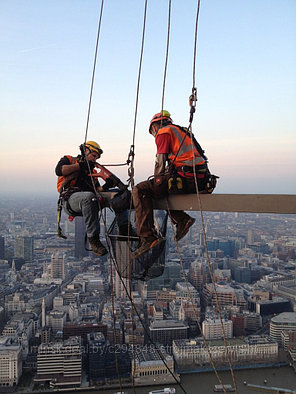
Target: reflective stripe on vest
(62,180)
(185,155)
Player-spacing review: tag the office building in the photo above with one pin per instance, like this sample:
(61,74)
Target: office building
(10,363)
(165,331)
(212,329)
(2,248)
(197,275)
(274,306)
(59,363)
(24,248)
(148,366)
(57,266)
(190,354)
(56,320)
(285,321)
(15,303)
(226,295)
(104,361)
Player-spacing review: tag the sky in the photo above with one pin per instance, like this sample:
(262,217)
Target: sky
(245,78)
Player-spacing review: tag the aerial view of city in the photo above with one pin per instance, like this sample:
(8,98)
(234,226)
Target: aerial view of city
(148,196)
(70,320)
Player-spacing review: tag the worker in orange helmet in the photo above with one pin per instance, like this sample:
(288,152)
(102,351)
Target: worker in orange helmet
(180,164)
(77,193)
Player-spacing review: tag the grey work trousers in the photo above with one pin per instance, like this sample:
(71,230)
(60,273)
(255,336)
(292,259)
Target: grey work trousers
(86,204)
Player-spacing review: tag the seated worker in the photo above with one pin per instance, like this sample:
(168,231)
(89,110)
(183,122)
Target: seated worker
(182,153)
(77,193)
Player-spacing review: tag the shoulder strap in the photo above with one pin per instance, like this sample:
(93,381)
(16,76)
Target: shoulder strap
(196,144)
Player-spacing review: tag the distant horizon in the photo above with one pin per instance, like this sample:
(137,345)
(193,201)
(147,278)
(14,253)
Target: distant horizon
(245,116)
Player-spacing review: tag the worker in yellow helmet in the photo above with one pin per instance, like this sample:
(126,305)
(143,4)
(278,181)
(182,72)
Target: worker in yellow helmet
(77,194)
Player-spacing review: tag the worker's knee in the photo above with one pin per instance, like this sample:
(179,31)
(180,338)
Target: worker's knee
(89,197)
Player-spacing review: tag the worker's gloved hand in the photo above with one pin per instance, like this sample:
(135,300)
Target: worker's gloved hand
(84,166)
(108,184)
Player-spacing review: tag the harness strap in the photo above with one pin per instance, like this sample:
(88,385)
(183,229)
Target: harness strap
(199,169)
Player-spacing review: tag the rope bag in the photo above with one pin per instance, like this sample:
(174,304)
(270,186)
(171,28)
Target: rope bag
(148,266)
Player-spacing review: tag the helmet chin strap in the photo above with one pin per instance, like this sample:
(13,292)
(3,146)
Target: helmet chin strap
(154,130)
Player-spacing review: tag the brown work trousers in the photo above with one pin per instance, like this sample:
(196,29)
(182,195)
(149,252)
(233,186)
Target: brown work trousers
(157,188)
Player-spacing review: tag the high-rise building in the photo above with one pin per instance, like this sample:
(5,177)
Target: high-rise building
(80,250)
(2,248)
(24,248)
(250,237)
(43,313)
(197,274)
(124,265)
(57,266)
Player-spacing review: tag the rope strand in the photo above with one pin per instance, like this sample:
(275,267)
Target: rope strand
(166,56)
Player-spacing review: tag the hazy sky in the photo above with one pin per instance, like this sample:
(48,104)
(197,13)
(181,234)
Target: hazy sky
(246,73)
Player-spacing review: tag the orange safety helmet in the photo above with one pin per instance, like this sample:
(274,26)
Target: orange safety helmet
(160,116)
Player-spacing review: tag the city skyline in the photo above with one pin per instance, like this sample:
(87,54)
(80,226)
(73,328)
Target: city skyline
(245,77)
(56,301)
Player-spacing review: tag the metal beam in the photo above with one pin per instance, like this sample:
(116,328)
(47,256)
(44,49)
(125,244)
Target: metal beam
(256,203)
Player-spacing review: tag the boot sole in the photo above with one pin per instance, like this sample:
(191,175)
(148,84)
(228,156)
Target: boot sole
(157,242)
(186,229)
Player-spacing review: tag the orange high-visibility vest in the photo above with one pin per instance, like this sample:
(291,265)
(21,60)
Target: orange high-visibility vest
(62,180)
(188,155)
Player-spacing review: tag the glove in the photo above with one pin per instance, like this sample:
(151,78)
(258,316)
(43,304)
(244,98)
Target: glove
(84,166)
(107,184)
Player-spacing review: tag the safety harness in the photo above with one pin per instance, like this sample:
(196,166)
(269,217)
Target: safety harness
(65,192)
(175,182)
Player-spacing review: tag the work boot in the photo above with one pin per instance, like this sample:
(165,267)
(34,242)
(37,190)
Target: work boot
(146,245)
(183,227)
(96,245)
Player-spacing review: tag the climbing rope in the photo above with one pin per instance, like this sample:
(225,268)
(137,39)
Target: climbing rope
(166,56)
(93,181)
(131,171)
(131,155)
(158,350)
(94,70)
(192,102)
(131,168)
(114,324)
(193,304)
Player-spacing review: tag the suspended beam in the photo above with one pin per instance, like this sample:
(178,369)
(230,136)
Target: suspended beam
(256,203)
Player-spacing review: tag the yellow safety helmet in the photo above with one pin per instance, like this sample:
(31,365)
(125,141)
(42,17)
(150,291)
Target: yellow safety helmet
(160,116)
(93,147)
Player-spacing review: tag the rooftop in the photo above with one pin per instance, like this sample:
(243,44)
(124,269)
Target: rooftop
(285,317)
